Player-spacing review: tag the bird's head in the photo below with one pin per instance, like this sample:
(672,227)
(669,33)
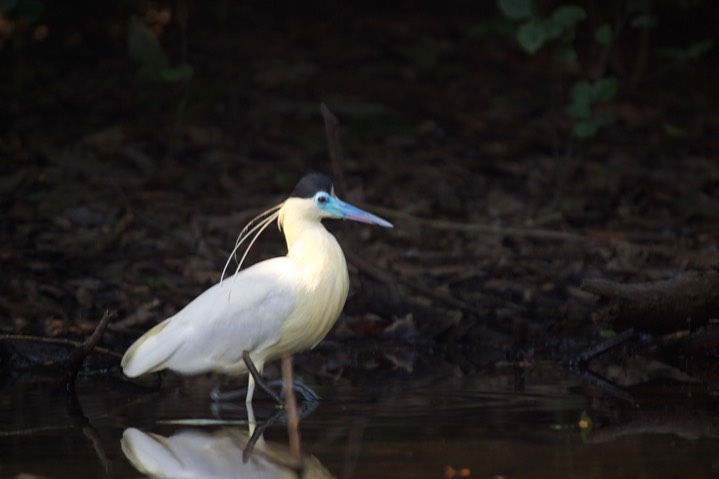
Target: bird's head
(314,199)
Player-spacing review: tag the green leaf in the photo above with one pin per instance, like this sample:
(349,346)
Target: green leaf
(634,6)
(7,5)
(516,9)
(693,52)
(603,34)
(645,20)
(697,50)
(423,55)
(584,129)
(566,53)
(600,91)
(581,92)
(532,35)
(486,29)
(584,95)
(604,118)
(579,110)
(567,16)
(673,131)
(146,49)
(175,75)
(31,10)
(604,89)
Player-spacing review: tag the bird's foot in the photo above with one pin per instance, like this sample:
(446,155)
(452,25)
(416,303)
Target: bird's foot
(307,393)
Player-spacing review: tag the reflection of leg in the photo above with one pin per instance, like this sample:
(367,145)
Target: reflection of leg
(251,421)
(256,378)
(256,431)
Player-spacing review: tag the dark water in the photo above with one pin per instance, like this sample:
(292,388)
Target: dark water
(398,426)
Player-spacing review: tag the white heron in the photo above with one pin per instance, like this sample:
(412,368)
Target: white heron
(277,307)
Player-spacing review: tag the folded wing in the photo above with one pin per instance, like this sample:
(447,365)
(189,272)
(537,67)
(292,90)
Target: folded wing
(244,312)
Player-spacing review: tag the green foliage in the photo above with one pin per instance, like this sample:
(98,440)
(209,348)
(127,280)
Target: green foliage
(372,120)
(516,10)
(492,27)
(424,55)
(145,48)
(645,20)
(584,97)
(30,10)
(641,14)
(603,34)
(536,31)
(693,52)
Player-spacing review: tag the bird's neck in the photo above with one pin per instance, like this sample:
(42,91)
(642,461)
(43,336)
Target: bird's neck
(310,245)
(324,279)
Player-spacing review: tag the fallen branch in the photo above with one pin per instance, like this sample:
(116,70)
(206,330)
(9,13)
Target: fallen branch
(69,343)
(685,301)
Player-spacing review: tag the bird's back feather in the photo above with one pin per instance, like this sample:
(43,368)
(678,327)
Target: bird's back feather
(244,312)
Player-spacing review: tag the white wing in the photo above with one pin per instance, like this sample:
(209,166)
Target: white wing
(244,312)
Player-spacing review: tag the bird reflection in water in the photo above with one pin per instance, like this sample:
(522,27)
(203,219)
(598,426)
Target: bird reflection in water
(223,453)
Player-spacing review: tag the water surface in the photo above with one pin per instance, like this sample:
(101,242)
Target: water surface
(497,424)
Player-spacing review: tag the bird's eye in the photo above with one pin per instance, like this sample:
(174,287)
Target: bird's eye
(322,199)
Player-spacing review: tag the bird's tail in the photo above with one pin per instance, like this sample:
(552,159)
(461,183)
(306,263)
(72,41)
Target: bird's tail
(149,353)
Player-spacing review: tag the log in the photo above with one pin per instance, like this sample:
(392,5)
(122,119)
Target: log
(686,301)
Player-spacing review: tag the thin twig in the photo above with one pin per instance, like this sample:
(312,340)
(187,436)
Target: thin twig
(57,341)
(77,356)
(334,143)
(35,431)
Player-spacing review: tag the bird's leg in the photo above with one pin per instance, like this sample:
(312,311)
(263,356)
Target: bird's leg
(250,390)
(256,378)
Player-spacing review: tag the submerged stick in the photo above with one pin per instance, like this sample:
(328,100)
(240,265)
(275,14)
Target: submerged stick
(596,350)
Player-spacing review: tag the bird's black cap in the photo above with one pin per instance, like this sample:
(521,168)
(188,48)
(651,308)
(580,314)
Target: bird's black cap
(310,184)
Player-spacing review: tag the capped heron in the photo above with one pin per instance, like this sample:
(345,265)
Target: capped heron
(276,307)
